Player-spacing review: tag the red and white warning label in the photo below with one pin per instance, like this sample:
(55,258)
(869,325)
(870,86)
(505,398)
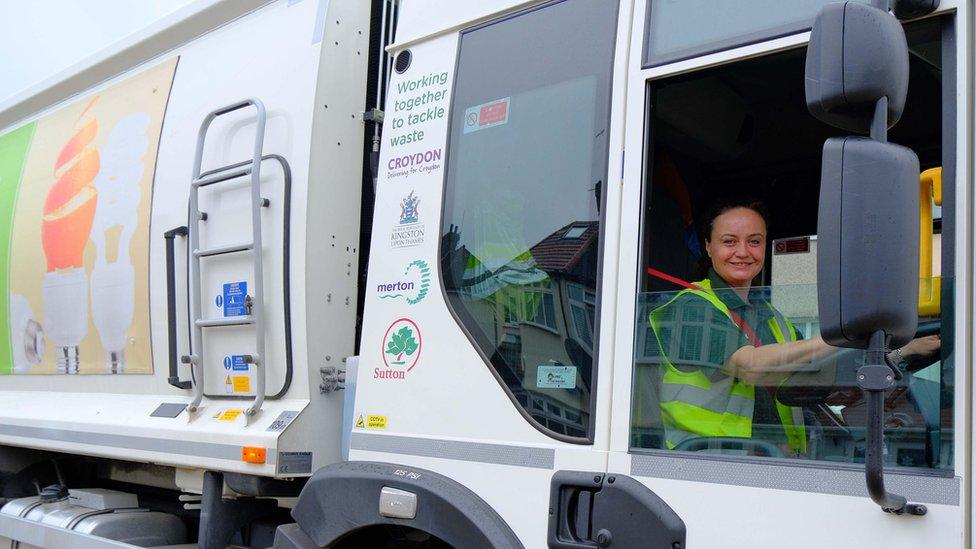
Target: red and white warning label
(486,115)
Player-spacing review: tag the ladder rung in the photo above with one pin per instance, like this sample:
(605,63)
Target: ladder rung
(223,250)
(235,321)
(222,176)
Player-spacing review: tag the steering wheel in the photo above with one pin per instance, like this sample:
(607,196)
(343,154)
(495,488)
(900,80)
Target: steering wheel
(810,385)
(747,446)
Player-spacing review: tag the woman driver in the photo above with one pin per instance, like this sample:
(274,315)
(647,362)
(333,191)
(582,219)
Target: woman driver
(709,382)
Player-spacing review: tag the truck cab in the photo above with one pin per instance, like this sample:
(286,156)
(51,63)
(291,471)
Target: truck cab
(581,147)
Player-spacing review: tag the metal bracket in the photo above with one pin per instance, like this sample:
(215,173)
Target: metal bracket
(333,379)
(373,115)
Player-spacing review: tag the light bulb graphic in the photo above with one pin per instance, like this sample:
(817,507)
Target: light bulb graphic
(26,335)
(116,219)
(68,214)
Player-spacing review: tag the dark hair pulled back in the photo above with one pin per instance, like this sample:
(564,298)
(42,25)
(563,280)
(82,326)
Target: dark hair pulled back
(722,207)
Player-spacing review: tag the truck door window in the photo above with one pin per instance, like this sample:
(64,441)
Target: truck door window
(740,134)
(526,162)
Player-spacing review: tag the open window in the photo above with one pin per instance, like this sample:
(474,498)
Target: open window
(740,133)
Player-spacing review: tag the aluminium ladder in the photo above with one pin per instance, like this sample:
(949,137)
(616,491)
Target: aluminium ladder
(255,311)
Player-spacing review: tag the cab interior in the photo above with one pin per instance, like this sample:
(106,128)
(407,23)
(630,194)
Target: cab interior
(742,131)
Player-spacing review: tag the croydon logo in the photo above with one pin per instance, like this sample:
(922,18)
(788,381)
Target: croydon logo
(412,288)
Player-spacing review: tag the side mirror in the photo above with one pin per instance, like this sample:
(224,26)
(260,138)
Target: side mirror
(868,232)
(857,55)
(867,242)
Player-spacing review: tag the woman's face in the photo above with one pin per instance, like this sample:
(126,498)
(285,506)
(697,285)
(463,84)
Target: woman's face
(737,246)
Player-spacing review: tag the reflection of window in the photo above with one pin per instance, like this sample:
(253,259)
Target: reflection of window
(582,305)
(533,303)
(547,312)
(511,350)
(574,232)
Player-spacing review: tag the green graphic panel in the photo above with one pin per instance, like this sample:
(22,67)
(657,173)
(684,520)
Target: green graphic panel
(13,154)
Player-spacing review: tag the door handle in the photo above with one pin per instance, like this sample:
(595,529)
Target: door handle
(588,510)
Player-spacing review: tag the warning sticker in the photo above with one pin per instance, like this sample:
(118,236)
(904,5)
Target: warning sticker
(229,414)
(242,384)
(235,363)
(234,299)
(375,422)
(486,115)
(228,385)
(360,423)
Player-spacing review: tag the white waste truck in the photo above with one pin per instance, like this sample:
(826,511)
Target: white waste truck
(421,273)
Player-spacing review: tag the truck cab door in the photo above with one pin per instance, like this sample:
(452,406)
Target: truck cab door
(717,111)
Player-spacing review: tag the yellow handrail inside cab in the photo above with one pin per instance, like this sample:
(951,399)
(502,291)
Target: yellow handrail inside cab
(929,287)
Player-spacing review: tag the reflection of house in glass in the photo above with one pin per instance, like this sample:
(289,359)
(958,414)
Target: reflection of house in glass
(537,311)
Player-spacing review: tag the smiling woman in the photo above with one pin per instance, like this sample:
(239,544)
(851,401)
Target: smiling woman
(735,240)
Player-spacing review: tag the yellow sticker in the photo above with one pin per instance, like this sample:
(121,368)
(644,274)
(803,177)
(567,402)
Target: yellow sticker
(360,424)
(242,384)
(230,414)
(376,422)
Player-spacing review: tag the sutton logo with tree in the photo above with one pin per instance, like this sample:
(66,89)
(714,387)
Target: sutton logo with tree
(402,344)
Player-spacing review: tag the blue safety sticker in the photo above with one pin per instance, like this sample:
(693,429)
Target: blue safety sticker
(235,363)
(234,298)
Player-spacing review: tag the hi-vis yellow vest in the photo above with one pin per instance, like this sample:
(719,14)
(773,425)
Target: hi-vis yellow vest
(693,406)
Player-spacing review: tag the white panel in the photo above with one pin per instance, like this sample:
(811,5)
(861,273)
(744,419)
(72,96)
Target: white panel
(274,54)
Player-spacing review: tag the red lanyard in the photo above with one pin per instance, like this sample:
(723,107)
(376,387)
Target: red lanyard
(736,319)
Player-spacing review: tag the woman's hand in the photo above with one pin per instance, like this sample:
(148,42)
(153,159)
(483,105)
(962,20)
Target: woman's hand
(922,347)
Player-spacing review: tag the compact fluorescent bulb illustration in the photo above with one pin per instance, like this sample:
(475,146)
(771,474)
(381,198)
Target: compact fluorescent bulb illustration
(67,221)
(26,335)
(113,278)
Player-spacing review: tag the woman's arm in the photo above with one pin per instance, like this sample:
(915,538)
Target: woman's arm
(771,364)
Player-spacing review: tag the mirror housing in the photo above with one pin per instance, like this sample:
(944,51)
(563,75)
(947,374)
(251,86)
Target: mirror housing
(867,242)
(857,55)
(909,9)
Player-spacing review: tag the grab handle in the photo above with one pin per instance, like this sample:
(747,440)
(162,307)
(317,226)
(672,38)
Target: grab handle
(174,374)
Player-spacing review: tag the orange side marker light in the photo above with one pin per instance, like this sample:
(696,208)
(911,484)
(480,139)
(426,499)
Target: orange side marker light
(254,454)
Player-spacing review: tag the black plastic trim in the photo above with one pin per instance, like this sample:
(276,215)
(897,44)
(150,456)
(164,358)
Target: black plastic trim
(342,498)
(594,509)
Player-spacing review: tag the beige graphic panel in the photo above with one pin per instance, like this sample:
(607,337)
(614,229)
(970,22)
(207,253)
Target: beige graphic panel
(80,243)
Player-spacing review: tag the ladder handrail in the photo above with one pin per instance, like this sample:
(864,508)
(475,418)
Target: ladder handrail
(257,299)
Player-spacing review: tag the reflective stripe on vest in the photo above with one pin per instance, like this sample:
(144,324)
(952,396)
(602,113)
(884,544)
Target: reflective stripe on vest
(694,406)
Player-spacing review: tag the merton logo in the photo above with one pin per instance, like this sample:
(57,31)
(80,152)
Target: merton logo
(402,344)
(409,231)
(412,287)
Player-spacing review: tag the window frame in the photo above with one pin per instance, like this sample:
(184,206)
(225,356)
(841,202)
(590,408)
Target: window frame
(947,226)
(755,37)
(462,318)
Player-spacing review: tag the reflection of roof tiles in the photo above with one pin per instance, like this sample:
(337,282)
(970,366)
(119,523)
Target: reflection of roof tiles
(556,253)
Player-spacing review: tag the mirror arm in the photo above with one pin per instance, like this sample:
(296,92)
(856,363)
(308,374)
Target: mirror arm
(874,378)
